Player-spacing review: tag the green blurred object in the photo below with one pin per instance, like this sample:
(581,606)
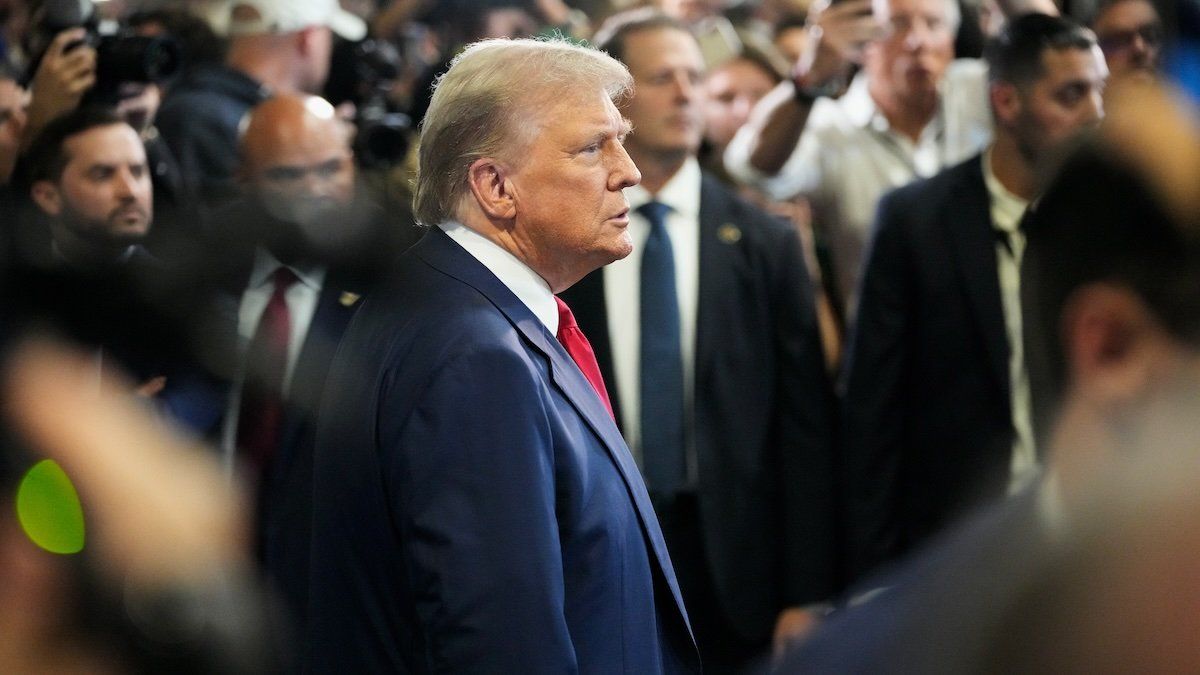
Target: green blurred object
(48,509)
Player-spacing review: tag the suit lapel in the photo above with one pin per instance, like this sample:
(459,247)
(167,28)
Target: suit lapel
(441,252)
(721,263)
(974,245)
(335,307)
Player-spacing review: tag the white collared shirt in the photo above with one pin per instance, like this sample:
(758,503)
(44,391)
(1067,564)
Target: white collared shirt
(622,296)
(529,287)
(1007,210)
(301,297)
(848,158)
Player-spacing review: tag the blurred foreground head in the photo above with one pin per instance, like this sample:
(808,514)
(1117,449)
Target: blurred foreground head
(125,554)
(1112,289)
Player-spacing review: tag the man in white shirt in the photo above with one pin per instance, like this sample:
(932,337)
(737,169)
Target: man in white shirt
(909,113)
(937,403)
(707,334)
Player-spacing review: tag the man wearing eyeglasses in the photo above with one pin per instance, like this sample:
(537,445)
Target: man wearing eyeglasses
(1130,34)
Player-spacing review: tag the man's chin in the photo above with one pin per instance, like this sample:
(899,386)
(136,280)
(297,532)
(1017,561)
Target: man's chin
(622,247)
(125,238)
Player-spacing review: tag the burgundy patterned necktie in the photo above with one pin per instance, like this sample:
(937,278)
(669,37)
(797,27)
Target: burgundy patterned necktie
(577,345)
(260,415)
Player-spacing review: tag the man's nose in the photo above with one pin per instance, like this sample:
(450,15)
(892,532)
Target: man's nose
(127,184)
(685,89)
(918,35)
(624,173)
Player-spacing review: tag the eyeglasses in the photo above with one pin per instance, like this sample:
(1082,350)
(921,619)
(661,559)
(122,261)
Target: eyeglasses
(1111,43)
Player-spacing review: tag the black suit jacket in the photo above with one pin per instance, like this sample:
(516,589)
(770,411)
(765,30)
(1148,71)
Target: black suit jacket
(283,515)
(928,424)
(763,412)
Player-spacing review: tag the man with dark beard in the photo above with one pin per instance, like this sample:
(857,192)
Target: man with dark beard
(304,251)
(88,176)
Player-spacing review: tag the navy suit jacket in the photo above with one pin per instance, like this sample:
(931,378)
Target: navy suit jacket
(764,407)
(928,423)
(475,509)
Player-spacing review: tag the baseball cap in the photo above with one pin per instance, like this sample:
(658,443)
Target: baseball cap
(250,17)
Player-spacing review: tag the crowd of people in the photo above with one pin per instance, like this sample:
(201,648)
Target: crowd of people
(598,335)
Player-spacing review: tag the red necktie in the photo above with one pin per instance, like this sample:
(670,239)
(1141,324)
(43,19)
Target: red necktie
(260,414)
(577,345)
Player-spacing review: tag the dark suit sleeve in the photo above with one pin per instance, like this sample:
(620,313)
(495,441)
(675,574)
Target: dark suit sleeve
(805,429)
(876,372)
(471,483)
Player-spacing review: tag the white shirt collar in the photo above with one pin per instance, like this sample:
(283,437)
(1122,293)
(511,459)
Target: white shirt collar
(265,265)
(862,111)
(857,103)
(529,287)
(681,193)
(1009,207)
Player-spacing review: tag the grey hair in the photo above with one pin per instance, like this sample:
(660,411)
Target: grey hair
(479,101)
(953,13)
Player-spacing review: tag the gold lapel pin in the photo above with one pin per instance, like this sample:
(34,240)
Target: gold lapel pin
(729,233)
(349,298)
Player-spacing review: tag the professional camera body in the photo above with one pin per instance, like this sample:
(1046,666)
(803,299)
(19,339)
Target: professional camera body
(121,56)
(383,135)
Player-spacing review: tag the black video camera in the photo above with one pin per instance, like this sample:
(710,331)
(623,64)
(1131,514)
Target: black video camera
(121,56)
(383,136)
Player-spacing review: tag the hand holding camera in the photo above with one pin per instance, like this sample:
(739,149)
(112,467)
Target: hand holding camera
(838,35)
(66,73)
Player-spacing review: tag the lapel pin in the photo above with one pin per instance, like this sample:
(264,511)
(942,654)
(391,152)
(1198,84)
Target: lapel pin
(349,298)
(729,233)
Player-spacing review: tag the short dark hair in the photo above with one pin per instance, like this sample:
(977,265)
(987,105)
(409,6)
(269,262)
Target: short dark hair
(1104,5)
(1015,55)
(613,33)
(46,158)
(1100,221)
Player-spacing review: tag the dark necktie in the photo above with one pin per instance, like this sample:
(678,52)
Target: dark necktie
(577,345)
(661,382)
(260,414)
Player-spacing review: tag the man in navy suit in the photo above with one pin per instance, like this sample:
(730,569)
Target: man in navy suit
(937,402)
(708,334)
(297,254)
(475,509)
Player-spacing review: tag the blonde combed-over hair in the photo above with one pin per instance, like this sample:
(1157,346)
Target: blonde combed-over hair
(484,105)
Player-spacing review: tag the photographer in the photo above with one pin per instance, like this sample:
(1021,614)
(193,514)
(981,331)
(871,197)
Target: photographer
(78,64)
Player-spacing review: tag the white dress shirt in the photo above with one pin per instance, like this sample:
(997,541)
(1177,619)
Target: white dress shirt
(1007,210)
(301,297)
(622,296)
(848,157)
(529,287)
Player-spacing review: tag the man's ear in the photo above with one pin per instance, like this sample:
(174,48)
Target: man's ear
(47,196)
(492,189)
(305,39)
(1006,101)
(1113,345)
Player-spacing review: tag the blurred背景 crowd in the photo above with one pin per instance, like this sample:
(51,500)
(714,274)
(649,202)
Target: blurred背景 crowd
(642,336)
